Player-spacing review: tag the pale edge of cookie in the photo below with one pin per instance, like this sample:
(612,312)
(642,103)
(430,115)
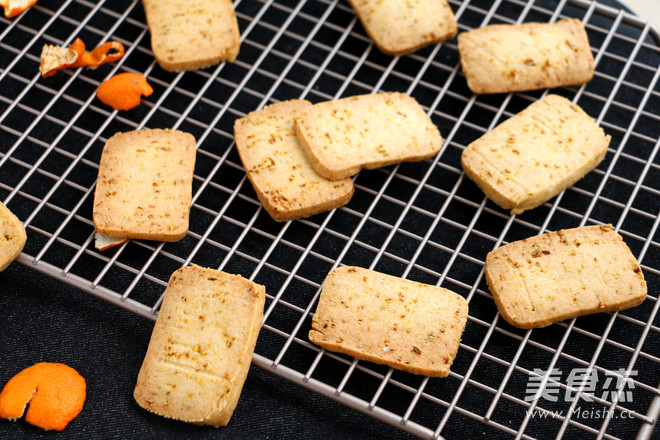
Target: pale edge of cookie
(365,131)
(536,154)
(12,237)
(201,347)
(398,27)
(505,58)
(389,320)
(284,181)
(144,185)
(192,35)
(549,278)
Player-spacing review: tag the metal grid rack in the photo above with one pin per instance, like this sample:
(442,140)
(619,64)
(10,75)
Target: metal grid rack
(424,221)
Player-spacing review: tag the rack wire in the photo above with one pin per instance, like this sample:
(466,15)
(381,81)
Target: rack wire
(424,221)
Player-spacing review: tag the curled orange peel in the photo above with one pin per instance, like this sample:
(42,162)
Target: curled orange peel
(124,91)
(15,7)
(105,53)
(55,393)
(54,58)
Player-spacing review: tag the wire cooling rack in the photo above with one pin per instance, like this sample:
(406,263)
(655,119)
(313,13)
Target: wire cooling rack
(424,221)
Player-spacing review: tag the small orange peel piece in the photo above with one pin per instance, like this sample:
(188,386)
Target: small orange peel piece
(54,58)
(15,7)
(55,392)
(124,91)
(105,242)
(105,53)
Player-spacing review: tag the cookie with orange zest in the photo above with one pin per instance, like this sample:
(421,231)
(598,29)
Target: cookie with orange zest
(12,237)
(15,7)
(54,58)
(124,91)
(55,394)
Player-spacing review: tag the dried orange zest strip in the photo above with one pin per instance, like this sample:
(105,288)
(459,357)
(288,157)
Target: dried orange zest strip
(104,242)
(105,53)
(124,91)
(55,392)
(54,58)
(15,7)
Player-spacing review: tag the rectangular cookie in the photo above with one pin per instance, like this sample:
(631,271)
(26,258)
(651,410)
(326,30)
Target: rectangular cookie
(503,58)
(144,186)
(193,34)
(201,347)
(398,27)
(285,183)
(367,131)
(388,320)
(536,154)
(552,277)
(12,237)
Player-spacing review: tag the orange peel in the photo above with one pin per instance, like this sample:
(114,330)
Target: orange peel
(105,242)
(105,53)
(55,393)
(54,58)
(124,91)
(15,7)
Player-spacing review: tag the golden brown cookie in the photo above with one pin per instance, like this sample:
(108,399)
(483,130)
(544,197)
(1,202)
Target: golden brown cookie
(366,131)
(12,237)
(504,58)
(536,154)
(388,320)
(144,186)
(399,27)
(193,34)
(552,277)
(285,182)
(201,346)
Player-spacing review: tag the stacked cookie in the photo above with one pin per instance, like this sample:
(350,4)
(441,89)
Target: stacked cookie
(300,157)
(284,180)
